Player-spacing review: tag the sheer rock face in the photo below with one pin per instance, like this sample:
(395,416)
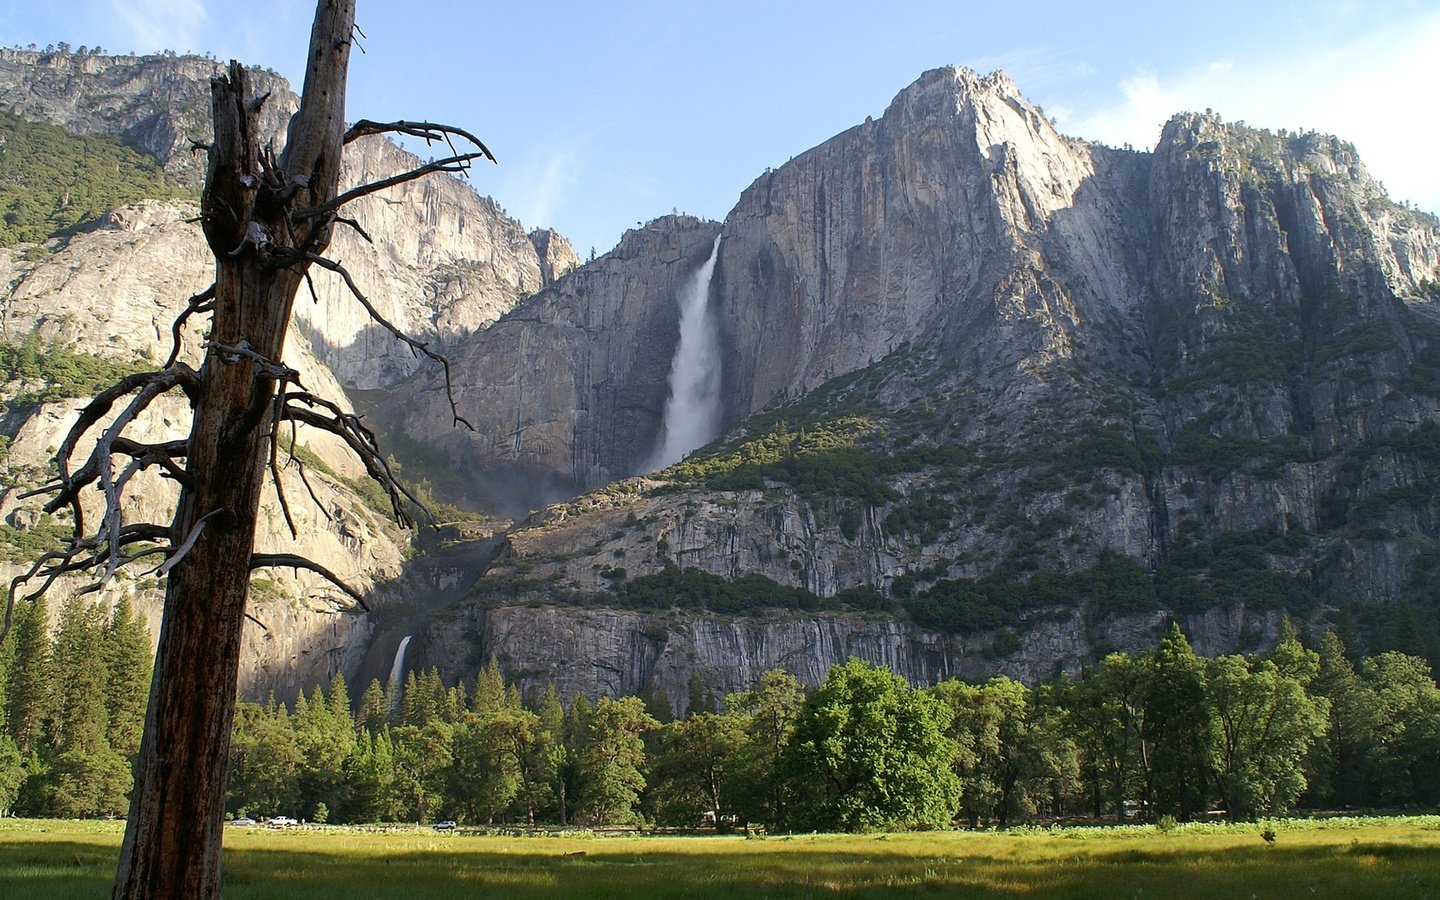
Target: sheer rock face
(962,226)
(594,652)
(1246,310)
(445,263)
(569,390)
(990,283)
(159,104)
(942,220)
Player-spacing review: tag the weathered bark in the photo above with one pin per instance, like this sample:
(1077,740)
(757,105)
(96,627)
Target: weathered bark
(173,835)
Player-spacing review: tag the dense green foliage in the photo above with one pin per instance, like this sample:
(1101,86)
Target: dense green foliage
(45,371)
(1162,733)
(818,460)
(1233,567)
(1159,733)
(52,181)
(695,588)
(868,753)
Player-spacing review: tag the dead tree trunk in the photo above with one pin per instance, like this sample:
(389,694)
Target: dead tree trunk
(267,220)
(173,834)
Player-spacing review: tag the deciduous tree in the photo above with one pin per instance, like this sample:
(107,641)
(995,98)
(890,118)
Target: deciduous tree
(1265,723)
(870,753)
(770,709)
(610,761)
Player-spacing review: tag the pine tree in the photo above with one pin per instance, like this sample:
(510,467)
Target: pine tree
(338,699)
(553,755)
(701,700)
(771,708)
(325,738)
(79,719)
(489,693)
(12,774)
(610,760)
(85,775)
(7,663)
(370,776)
(128,663)
(1178,726)
(31,685)
(1346,762)
(374,708)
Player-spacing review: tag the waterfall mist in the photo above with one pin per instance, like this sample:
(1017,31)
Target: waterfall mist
(692,414)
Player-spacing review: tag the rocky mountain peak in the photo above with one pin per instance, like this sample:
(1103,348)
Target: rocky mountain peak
(159,103)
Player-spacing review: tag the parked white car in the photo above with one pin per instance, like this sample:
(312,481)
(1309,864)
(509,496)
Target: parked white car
(282,822)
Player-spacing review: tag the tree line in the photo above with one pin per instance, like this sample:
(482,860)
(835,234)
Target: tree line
(1160,733)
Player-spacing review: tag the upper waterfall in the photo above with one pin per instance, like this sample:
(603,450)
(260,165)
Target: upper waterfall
(692,413)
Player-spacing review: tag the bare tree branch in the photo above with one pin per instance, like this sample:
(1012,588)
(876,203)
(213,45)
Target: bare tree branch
(300,466)
(293,561)
(201,302)
(275,466)
(149,384)
(361,441)
(355,225)
(184,548)
(81,555)
(418,347)
(430,132)
(451,164)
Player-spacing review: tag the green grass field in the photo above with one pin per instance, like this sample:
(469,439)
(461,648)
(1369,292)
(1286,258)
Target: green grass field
(1340,858)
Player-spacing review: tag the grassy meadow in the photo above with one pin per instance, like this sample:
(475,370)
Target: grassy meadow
(1340,858)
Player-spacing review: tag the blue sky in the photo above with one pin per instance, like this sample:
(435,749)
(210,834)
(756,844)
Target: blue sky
(607,114)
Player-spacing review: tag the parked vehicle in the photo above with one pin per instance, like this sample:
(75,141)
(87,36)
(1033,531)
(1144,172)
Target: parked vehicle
(282,822)
(243,822)
(447,825)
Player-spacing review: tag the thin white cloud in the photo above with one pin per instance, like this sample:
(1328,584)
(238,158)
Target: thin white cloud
(1034,67)
(1375,91)
(153,25)
(547,182)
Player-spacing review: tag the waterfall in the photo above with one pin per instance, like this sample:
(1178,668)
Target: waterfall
(692,413)
(398,669)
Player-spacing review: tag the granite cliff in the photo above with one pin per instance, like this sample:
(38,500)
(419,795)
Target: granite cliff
(961,348)
(995,399)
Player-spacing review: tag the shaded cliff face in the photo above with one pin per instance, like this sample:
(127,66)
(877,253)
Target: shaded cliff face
(617,653)
(444,263)
(567,391)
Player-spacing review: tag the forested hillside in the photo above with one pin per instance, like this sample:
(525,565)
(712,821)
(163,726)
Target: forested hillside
(52,181)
